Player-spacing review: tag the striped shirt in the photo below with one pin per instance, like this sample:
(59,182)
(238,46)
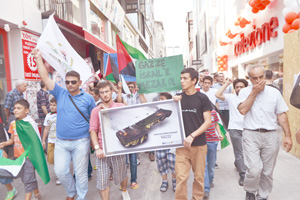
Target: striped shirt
(42,100)
(11,98)
(210,133)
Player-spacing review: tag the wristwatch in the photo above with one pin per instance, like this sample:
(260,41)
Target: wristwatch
(96,147)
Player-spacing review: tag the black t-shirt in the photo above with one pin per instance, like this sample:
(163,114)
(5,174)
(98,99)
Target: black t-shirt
(193,107)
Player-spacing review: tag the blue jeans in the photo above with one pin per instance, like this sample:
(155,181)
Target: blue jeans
(210,164)
(133,166)
(78,152)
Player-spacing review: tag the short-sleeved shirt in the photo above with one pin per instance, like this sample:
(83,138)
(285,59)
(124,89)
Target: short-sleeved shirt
(95,121)
(42,100)
(70,123)
(211,94)
(131,99)
(193,107)
(210,133)
(266,106)
(11,98)
(236,118)
(223,104)
(50,121)
(18,147)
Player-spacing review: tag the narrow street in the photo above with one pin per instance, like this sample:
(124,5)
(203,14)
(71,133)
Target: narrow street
(286,179)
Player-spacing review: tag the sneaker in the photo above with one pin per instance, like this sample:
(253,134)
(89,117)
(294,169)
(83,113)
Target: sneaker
(216,166)
(58,182)
(164,186)
(206,194)
(250,196)
(212,185)
(125,195)
(38,197)
(11,194)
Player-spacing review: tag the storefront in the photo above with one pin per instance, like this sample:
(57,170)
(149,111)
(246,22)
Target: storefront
(260,42)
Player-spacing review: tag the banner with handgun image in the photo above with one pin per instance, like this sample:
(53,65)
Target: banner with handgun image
(143,127)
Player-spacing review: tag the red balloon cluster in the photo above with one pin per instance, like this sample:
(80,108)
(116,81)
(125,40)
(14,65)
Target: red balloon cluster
(258,5)
(242,22)
(230,35)
(222,62)
(292,22)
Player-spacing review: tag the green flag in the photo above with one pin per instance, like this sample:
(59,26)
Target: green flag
(224,142)
(133,52)
(29,136)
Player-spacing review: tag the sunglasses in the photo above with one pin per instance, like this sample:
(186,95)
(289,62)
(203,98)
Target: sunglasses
(73,82)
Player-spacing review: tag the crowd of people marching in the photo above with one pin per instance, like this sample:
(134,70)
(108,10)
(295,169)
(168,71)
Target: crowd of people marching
(252,110)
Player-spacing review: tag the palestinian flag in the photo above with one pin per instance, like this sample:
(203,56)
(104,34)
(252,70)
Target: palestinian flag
(111,72)
(133,52)
(125,63)
(11,168)
(29,136)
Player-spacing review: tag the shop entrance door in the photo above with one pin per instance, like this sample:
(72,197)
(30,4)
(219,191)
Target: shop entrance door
(5,78)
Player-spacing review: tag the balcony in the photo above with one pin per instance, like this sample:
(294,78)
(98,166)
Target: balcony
(62,8)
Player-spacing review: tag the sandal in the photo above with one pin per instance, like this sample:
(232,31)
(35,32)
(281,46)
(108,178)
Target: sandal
(134,185)
(174,184)
(164,186)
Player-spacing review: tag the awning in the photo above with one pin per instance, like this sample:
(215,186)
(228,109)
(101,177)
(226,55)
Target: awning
(85,35)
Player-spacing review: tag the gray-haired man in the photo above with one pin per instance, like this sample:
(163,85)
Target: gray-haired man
(262,106)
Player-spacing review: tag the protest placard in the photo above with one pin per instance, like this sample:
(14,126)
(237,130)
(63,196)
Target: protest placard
(142,127)
(159,75)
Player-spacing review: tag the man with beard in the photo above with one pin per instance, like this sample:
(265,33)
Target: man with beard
(106,164)
(235,126)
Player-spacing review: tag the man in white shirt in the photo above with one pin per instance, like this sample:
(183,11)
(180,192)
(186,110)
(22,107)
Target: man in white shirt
(210,92)
(235,126)
(262,107)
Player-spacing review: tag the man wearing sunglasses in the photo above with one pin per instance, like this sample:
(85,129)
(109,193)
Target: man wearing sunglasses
(73,138)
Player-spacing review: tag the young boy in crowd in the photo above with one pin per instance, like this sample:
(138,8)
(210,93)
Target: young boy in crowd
(165,158)
(27,174)
(213,136)
(50,132)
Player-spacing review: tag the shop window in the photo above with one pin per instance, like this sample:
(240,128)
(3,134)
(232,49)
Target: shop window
(97,21)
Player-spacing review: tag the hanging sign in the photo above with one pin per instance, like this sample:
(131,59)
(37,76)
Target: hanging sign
(29,42)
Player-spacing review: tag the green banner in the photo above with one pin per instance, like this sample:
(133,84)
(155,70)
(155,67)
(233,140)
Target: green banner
(159,75)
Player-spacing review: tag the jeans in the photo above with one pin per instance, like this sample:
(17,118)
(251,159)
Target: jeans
(133,167)
(78,152)
(236,137)
(210,164)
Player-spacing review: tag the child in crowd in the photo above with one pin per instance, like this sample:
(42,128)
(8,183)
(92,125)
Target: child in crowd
(165,158)
(27,174)
(50,132)
(212,138)
(12,192)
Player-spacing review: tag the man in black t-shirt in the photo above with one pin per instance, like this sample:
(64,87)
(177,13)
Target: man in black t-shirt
(196,109)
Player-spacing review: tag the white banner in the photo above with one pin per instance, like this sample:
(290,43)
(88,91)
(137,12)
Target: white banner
(58,52)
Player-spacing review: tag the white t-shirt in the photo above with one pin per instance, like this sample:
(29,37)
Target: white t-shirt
(50,120)
(236,119)
(266,106)
(211,94)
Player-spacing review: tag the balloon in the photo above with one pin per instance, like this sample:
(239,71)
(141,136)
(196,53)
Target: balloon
(294,7)
(265,2)
(221,62)
(252,3)
(288,3)
(290,17)
(290,31)
(299,15)
(236,23)
(257,1)
(242,25)
(255,10)
(286,28)
(296,24)
(285,11)
(260,6)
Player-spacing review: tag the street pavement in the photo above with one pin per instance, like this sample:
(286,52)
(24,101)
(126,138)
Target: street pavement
(286,182)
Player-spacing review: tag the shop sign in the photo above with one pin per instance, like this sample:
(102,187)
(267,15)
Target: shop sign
(29,42)
(257,37)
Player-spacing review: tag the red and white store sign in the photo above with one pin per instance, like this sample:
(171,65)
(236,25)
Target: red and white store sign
(29,42)
(257,37)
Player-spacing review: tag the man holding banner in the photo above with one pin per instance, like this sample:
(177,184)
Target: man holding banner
(196,109)
(74,108)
